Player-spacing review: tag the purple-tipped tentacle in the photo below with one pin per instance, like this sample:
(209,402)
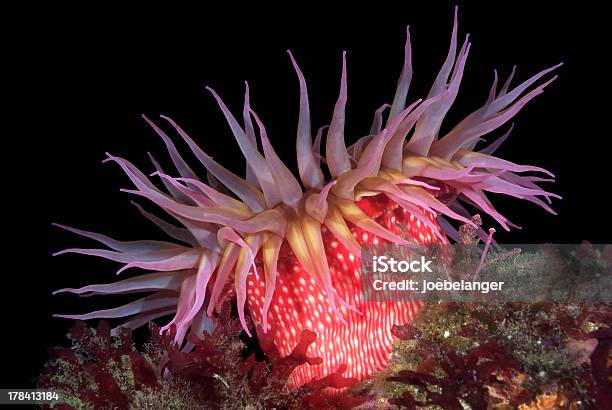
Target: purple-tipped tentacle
(337,156)
(169,281)
(178,233)
(250,195)
(377,123)
(258,163)
(288,187)
(403,84)
(310,172)
(249,130)
(156,301)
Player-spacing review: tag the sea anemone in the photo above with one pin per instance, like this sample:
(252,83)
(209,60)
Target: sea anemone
(292,246)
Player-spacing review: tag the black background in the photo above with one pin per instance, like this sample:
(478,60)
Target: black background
(83,77)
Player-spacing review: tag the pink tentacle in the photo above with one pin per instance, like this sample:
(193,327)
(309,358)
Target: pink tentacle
(228,234)
(310,172)
(403,84)
(156,301)
(338,160)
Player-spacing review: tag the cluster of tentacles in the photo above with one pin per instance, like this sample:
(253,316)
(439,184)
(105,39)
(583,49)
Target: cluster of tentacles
(292,249)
